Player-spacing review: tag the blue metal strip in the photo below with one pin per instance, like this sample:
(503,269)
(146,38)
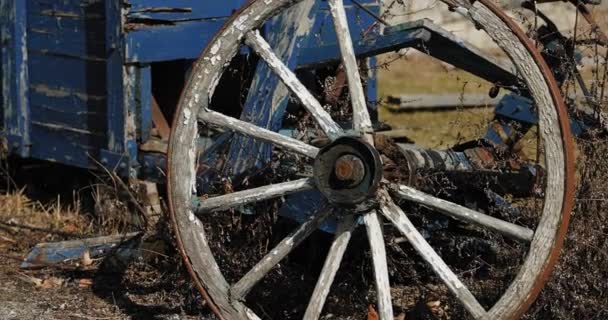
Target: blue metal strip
(15,76)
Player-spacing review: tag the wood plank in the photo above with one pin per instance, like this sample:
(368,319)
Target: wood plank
(160,123)
(250,130)
(184,40)
(235,199)
(70,74)
(332,263)
(376,243)
(431,102)
(465,214)
(361,118)
(179,10)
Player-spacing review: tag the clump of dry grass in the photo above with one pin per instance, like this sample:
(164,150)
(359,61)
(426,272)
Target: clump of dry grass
(17,210)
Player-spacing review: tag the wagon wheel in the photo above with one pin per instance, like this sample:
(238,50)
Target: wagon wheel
(348,172)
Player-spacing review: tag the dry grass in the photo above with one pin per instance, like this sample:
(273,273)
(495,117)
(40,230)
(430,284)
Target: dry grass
(17,210)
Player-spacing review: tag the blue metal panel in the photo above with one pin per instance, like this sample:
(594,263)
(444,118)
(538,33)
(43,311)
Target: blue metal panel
(15,75)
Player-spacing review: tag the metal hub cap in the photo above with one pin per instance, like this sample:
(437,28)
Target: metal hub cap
(348,171)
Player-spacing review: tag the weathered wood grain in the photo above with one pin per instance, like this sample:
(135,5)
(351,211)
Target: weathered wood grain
(235,199)
(465,214)
(250,130)
(361,118)
(376,243)
(260,46)
(330,267)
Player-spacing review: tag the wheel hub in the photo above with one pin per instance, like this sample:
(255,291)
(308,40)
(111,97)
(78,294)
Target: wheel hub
(348,171)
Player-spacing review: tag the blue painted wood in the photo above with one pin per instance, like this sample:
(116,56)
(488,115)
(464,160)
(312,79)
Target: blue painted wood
(84,120)
(185,40)
(13,42)
(116,110)
(83,38)
(73,74)
(268,96)
(180,10)
(139,93)
(47,254)
(67,9)
(66,100)
(318,54)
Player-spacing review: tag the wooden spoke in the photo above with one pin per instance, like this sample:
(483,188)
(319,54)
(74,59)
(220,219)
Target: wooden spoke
(243,286)
(465,214)
(330,268)
(361,118)
(376,243)
(248,129)
(236,199)
(255,40)
(392,212)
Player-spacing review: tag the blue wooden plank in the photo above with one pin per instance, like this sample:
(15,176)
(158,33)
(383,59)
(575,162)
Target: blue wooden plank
(116,111)
(184,40)
(13,42)
(372,45)
(66,100)
(180,10)
(268,97)
(359,23)
(139,98)
(55,138)
(74,74)
(84,120)
(72,37)
(68,9)
(47,254)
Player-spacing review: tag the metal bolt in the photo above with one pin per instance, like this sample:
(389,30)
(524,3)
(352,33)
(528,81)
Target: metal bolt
(349,168)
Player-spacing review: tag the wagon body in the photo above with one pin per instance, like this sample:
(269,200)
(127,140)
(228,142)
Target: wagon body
(78,77)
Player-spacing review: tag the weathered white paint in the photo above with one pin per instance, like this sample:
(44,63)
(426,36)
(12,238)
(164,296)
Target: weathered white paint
(376,244)
(330,267)
(248,129)
(232,200)
(465,214)
(361,119)
(261,47)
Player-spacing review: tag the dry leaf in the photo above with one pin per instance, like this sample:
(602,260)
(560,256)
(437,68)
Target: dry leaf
(50,283)
(85,283)
(371,313)
(400,317)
